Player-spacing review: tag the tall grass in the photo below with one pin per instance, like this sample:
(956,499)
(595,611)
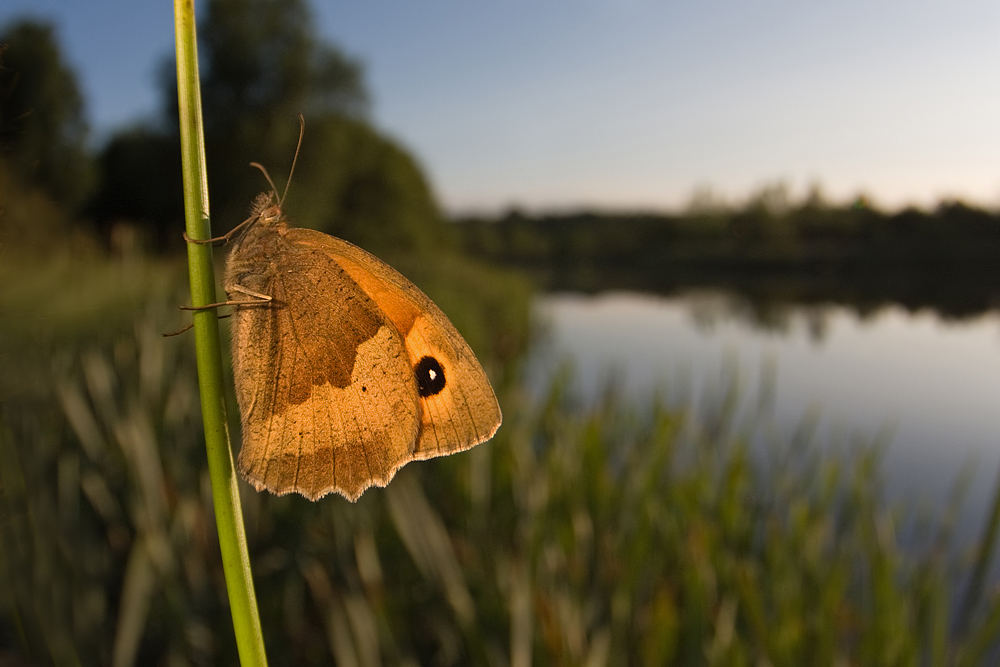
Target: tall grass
(616,534)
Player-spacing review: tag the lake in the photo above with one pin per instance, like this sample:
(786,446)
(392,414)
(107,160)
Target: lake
(931,384)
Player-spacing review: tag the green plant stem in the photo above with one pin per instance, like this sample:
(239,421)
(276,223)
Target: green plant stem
(225,490)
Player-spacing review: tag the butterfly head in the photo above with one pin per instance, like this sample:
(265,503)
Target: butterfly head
(265,211)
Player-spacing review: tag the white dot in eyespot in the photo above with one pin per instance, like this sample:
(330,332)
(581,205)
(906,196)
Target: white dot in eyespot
(430,376)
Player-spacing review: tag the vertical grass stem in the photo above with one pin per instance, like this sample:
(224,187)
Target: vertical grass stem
(225,490)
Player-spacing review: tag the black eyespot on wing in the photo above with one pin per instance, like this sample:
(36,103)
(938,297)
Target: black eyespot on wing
(430,377)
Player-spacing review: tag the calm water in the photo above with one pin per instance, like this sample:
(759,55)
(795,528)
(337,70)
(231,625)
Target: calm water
(933,385)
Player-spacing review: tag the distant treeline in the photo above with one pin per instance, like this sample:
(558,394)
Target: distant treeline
(807,252)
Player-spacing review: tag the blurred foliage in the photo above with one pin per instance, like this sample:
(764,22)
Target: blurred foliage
(43,131)
(70,299)
(599,536)
(771,249)
(356,185)
(124,567)
(141,191)
(261,65)
(30,219)
(45,171)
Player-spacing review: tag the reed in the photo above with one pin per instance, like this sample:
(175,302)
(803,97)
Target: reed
(614,534)
(225,489)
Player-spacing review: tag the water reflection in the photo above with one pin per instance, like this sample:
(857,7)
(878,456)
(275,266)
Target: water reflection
(932,383)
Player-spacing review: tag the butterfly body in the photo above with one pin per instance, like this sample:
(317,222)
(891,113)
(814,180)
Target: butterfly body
(345,371)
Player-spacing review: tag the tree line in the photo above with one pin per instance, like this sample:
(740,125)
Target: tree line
(262,64)
(769,249)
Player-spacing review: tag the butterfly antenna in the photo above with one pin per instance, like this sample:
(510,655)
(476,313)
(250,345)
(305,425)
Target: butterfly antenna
(302,131)
(267,176)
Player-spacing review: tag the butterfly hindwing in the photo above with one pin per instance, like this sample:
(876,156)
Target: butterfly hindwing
(458,408)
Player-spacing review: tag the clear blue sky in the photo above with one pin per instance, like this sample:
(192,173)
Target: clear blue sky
(631,103)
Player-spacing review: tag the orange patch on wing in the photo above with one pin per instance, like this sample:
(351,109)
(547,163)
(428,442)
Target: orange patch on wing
(389,298)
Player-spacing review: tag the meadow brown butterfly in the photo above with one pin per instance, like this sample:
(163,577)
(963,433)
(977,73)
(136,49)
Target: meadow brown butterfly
(345,371)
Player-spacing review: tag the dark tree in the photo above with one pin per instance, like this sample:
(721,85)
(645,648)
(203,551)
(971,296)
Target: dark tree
(42,125)
(141,185)
(261,65)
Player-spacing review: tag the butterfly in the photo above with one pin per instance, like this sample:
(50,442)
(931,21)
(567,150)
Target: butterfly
(345,371)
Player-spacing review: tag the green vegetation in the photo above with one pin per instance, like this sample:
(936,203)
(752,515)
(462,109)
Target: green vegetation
(367,189)
(612,535)
(771,250)
(45,172)
(42,128)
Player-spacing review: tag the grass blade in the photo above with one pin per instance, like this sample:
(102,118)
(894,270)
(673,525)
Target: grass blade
(225,489)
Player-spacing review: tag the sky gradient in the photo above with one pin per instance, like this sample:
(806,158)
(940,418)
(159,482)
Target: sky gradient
(560,104)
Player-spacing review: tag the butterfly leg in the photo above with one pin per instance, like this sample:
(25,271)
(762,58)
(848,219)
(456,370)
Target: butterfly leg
(249,292)
(190,326)
(225,237)
(257,298)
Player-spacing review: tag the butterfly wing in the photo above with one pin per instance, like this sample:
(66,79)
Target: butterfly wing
(326,392)
(458,408)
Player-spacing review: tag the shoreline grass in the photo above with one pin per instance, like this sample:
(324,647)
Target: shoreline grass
(619,534)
